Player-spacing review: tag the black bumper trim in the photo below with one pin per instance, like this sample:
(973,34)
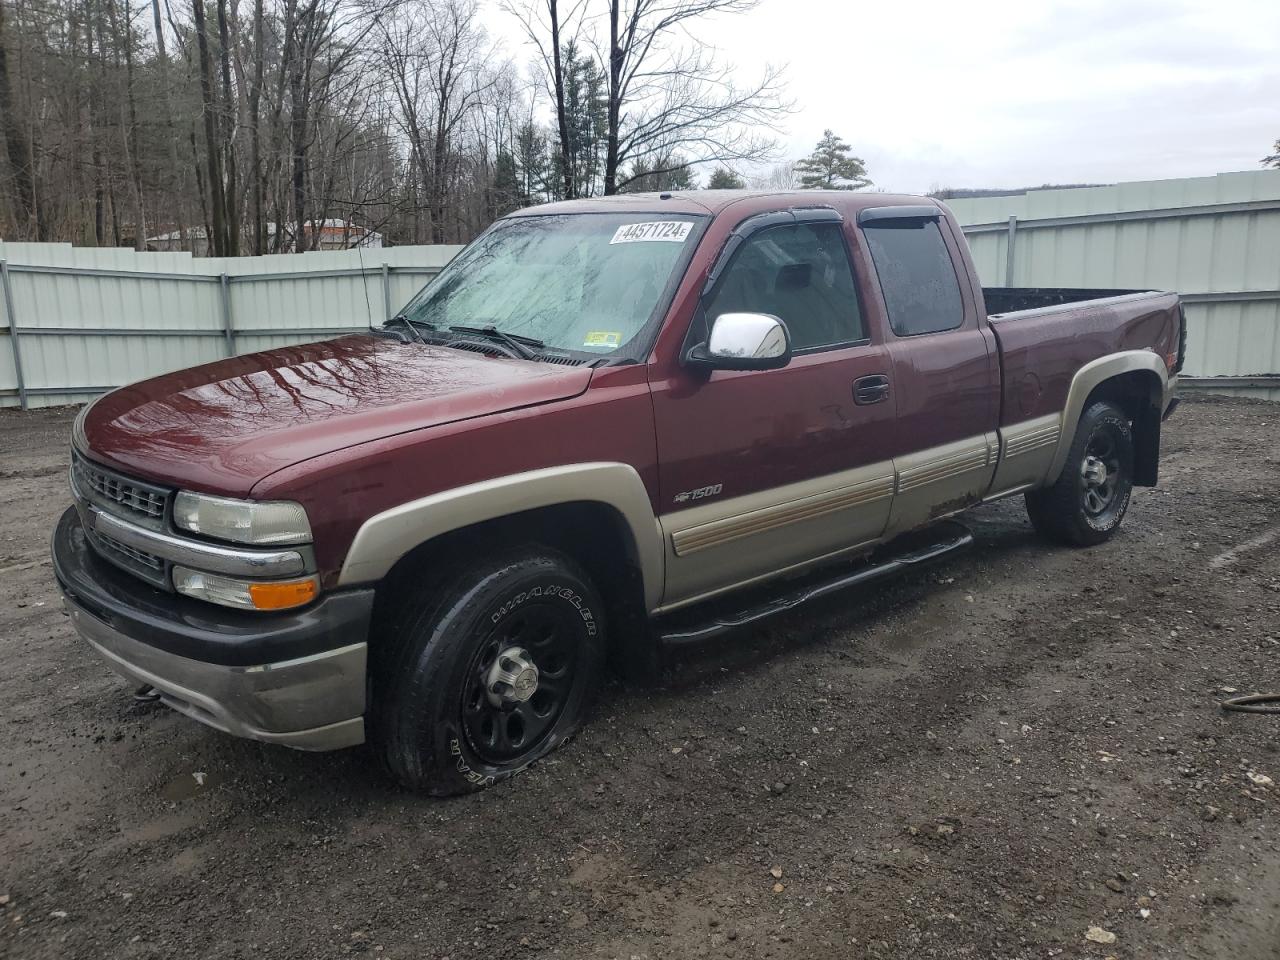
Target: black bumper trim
(193,628)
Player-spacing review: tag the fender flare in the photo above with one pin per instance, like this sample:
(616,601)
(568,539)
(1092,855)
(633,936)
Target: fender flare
(386,537)
(1087,379)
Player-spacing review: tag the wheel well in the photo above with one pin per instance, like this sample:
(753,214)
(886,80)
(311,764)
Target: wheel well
(1138,394)
(593,534)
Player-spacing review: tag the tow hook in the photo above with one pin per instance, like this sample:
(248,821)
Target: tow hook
(146,694)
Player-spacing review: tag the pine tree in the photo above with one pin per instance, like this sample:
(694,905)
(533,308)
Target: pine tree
(832,167)
(539,178)
(1274,159)
(508,194)
(725,179)
(586,120)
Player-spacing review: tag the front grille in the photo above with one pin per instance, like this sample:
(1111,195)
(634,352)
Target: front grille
(134,501)
(145,565)
(120,495)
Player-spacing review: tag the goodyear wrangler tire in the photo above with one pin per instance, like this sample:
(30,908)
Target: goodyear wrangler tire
(489,673)
(1087,502)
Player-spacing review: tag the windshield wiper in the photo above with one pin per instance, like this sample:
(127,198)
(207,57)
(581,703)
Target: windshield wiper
(412,326)
(517,344)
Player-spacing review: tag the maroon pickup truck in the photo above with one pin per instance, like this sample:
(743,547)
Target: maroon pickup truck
(608,426)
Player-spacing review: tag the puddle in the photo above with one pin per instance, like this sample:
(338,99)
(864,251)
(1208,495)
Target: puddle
(189,784)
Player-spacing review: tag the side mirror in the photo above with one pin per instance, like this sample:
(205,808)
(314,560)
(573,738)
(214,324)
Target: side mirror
(743,341)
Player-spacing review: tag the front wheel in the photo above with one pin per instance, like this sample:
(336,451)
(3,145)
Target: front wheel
(484,676)
(1085,505)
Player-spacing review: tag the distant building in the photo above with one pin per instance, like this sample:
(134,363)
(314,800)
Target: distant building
(338,234)
(334,234)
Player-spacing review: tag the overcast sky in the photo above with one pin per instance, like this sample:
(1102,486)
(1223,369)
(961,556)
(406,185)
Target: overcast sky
(1012,93)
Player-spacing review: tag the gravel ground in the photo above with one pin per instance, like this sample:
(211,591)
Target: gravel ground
(985,759)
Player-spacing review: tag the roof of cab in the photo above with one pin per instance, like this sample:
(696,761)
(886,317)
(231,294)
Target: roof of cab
(703,202)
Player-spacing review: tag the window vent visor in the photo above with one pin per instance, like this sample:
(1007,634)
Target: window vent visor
(897,215)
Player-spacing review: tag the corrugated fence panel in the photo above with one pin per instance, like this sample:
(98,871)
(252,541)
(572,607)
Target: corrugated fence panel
(89,318)
(1216,240)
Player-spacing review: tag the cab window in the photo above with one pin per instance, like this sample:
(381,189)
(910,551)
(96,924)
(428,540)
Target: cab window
(800,274)
(917,278)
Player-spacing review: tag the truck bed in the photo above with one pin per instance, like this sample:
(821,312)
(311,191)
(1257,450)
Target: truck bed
(1055,331)
(1002,300)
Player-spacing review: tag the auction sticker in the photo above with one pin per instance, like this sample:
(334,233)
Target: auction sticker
(602,338)
(672,231)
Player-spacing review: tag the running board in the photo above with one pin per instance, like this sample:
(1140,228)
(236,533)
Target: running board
(941,540)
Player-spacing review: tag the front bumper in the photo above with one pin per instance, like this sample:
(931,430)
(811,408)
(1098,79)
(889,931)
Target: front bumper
(296,679)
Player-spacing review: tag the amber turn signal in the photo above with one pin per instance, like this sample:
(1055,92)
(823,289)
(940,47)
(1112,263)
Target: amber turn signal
(282,594)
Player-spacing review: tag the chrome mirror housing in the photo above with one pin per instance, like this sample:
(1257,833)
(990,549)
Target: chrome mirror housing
(743,341)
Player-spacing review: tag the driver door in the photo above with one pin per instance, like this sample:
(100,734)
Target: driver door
(764,471)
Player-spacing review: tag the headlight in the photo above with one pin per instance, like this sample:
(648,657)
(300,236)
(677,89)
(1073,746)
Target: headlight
(246,594)
(258,522)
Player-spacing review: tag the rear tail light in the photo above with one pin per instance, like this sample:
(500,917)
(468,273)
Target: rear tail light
(1180,357)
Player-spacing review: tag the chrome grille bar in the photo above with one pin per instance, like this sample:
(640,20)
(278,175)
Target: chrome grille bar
(197,554)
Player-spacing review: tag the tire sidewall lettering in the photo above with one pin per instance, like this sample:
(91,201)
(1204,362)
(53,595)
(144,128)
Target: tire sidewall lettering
(549,590)
(468,774)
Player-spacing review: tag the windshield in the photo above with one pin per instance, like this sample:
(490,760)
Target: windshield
(579,282)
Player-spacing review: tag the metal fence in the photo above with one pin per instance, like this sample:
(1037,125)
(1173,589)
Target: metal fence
(1215,240)
(79,321)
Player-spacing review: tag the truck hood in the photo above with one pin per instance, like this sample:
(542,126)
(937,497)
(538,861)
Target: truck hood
(224,426)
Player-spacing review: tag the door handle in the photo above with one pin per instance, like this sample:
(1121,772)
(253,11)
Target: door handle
(868,390)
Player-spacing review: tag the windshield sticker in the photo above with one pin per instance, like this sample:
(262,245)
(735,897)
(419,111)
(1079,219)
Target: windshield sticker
(602,338)
(672,231)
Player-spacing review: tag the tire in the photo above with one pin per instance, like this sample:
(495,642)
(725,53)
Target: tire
(455,708)
(1087,502)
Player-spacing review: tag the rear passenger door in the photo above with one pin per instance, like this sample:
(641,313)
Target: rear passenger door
(945,369)
(762,470)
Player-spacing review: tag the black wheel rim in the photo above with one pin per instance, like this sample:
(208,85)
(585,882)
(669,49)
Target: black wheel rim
(504,733)
(1101,474)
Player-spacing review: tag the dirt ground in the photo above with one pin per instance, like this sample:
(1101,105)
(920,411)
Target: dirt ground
(984,759)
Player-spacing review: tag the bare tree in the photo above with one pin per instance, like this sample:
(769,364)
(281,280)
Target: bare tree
(122,41)
(666,95)
(457,46)
(227,126)
(551,26)
(781,176)
(670,101)
(213,143)
(21,151)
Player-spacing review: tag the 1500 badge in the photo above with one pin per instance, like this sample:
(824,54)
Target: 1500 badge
(699,494)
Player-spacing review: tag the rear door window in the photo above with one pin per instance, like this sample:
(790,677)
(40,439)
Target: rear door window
(917,277)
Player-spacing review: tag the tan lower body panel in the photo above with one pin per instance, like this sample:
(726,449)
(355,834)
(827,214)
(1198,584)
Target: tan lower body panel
(728,544)
(1027,450)
(941,480)
(722,545)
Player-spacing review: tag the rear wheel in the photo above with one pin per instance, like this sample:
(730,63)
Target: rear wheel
(1087,502)
(484,676)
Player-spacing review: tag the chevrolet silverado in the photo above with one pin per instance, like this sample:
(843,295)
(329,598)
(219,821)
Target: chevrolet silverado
(607,427)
